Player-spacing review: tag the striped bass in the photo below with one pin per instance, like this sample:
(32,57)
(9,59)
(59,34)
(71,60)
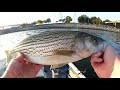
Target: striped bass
(58,47)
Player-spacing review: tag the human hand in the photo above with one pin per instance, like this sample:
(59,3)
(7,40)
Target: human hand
(19,68)
(107,64)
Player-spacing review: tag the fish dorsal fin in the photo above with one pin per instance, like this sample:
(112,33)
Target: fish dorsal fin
(64,52)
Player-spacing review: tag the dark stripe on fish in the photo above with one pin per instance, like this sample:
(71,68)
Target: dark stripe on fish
(45,43)
(41,37)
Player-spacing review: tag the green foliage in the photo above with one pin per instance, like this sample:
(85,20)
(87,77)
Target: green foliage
(107,20)
(62,20)
(48,20)
(68,19)
(83,19)
(95,20)
(39,22)
(98,21)
(45,21)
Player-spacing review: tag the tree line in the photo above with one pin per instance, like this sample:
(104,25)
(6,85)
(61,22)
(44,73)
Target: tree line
(92,20)
(85,19)
(48,20)
(68,19)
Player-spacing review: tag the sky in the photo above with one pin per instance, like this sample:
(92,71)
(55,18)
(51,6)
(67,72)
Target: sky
(11,18)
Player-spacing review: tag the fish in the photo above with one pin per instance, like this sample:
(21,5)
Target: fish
(57,48)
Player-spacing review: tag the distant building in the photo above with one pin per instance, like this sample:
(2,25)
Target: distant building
(114,23)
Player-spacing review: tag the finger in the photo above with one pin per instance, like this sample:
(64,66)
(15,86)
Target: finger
(97,60)
(98,54)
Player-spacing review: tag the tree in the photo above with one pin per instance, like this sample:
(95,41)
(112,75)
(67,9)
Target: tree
(68,19)
(33,23)
(48,20)
(98,21)
(83,19)
(95,20)
(62,20)
(44,21)
(107,20)
(39,22)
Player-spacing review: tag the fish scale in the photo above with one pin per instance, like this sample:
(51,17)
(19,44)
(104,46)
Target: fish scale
(60,42)
(42,38)
(62,45)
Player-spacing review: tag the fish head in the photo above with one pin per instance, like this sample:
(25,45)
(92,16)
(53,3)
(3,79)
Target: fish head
(87,44)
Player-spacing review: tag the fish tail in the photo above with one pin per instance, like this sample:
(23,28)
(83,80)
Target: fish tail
(8,52)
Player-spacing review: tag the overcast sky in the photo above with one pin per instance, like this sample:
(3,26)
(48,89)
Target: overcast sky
(11,18)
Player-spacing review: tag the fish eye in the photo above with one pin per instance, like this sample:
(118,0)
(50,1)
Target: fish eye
(95,41)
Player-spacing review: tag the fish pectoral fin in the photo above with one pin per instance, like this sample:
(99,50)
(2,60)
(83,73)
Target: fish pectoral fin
(57,66)
(64,52)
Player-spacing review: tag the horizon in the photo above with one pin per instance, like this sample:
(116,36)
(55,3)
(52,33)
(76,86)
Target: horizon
(13,18)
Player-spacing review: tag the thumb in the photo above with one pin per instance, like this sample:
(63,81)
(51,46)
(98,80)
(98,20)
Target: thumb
(20,57)
(109,54)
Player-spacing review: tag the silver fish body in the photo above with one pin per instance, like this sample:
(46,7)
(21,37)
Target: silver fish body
(59,47)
